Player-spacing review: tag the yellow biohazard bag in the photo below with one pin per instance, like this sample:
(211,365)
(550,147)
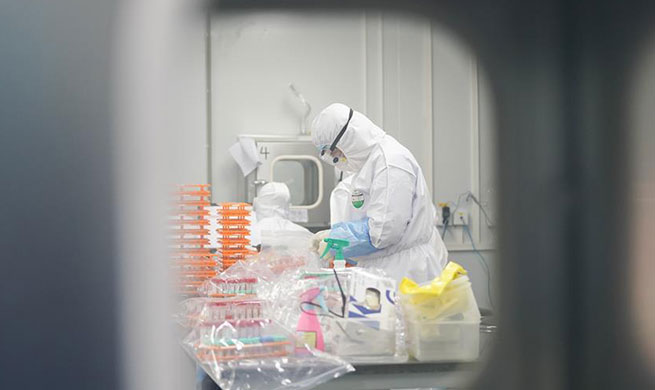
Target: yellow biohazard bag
(447,295)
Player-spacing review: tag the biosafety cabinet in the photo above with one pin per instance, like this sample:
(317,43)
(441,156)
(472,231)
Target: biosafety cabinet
(293,160)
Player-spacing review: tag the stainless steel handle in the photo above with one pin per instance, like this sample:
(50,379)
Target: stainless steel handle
(259,182)
(256,184)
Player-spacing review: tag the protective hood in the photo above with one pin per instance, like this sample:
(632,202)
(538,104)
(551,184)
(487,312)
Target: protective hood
(273,201)
(359,138)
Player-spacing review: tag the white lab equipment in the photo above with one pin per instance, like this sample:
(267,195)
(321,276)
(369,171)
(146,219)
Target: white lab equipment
(292,160)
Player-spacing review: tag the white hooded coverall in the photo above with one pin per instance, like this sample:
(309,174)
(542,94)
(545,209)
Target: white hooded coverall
(339,197)
(272,211)
(393,229)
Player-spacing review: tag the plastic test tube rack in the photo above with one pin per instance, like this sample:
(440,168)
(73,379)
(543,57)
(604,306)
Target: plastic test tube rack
(243,340)
(233,228)
(208,310)
(191,259)
(229,287)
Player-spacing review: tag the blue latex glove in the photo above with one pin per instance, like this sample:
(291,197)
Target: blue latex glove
(357,234)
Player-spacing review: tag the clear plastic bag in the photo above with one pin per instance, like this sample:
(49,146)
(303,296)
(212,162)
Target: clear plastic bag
(283,252)
(233,337)
(230,284)
(351,313)
(197,311)
(259,354)
(278,261)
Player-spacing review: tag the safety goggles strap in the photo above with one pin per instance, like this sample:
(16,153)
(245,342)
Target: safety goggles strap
(343,130)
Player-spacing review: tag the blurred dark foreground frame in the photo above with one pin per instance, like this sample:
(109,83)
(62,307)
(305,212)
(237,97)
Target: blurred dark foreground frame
(560,75)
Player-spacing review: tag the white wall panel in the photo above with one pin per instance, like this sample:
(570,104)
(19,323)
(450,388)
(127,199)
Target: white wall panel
(254,58)
(452,116)
(374,68)
(407,89)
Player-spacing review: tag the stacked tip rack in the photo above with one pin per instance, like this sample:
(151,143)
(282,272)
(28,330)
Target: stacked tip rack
(233,232)
(193,259)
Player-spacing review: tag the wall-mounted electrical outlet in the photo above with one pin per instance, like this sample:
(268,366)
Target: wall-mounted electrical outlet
(460,217)
(457,217)
(442,209)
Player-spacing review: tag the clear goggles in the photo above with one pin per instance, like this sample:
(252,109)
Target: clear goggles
(330,153)
(330,156)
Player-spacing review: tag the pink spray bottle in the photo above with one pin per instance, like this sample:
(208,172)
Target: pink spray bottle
(309,328)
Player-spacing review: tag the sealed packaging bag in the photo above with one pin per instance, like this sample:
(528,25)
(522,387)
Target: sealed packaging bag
(231,335)
(259,354)
(283,251)
(196,311)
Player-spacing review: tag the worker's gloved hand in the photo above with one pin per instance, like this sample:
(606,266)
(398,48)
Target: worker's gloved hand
(317,241)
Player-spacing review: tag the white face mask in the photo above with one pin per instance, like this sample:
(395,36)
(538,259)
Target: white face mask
(344,165)
(340,162)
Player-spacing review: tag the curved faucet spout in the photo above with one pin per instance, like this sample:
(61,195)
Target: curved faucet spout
(308,109)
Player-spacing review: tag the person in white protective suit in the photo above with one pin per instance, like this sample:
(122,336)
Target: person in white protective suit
(339,197)
(389,216)
(272,211)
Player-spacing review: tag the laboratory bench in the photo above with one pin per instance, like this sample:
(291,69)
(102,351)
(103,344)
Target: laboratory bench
(413,374)
(408,375)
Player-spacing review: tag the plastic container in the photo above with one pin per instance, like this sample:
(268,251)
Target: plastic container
(444,341)
(445,329)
